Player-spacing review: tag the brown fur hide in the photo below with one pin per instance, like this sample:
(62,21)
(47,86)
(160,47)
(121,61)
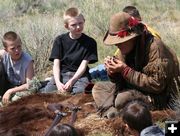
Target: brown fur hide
(31,114)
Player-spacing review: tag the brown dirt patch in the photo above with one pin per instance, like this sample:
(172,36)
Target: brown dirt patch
(31,114)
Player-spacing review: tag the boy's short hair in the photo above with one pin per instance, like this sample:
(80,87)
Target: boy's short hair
(71,12)
(10,36)
(136,115)
(133,11)
(63,130)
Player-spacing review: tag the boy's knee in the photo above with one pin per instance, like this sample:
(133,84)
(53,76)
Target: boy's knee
(48,89)
(77,90)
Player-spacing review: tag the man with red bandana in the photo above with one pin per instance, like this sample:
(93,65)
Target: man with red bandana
(146,68)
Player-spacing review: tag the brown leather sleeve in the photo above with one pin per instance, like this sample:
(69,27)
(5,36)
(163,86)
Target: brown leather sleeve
(153,77)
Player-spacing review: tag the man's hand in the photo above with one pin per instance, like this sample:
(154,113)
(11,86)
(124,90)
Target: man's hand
(114,65)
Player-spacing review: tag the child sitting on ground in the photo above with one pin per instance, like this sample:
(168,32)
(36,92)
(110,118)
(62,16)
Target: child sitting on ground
(16,67)
(71,54)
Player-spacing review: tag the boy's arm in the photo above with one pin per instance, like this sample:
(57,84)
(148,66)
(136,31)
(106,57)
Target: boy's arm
(56,70)
(56,73)
(1,53)
(23,87)
(80,71)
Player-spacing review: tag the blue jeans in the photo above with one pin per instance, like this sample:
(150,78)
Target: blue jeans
(78,87)
(99,73)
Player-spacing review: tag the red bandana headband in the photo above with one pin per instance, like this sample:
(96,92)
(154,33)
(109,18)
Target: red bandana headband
(132,22)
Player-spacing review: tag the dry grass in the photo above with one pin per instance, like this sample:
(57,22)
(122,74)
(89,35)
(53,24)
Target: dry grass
(39,21)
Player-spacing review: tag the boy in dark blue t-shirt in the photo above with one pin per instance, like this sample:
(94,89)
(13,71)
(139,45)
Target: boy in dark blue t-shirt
(71,54)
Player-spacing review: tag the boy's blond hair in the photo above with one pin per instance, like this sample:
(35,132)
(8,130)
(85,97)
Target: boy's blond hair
(71,12)
(10,37)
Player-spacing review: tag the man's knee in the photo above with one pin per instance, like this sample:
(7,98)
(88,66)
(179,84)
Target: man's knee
(129,95)
(102,92)
(101,88)
(122,99)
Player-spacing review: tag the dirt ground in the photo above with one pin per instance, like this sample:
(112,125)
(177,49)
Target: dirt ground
(31,114)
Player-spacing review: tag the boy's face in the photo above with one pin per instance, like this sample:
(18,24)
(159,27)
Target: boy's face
(76,25)
(14,49)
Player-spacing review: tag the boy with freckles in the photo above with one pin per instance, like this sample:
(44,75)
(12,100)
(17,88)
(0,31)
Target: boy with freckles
(71,54)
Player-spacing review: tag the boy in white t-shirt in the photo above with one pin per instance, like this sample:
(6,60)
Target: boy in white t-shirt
(16,67)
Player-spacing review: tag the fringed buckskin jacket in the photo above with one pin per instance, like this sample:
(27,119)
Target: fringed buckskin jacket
(154,71)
